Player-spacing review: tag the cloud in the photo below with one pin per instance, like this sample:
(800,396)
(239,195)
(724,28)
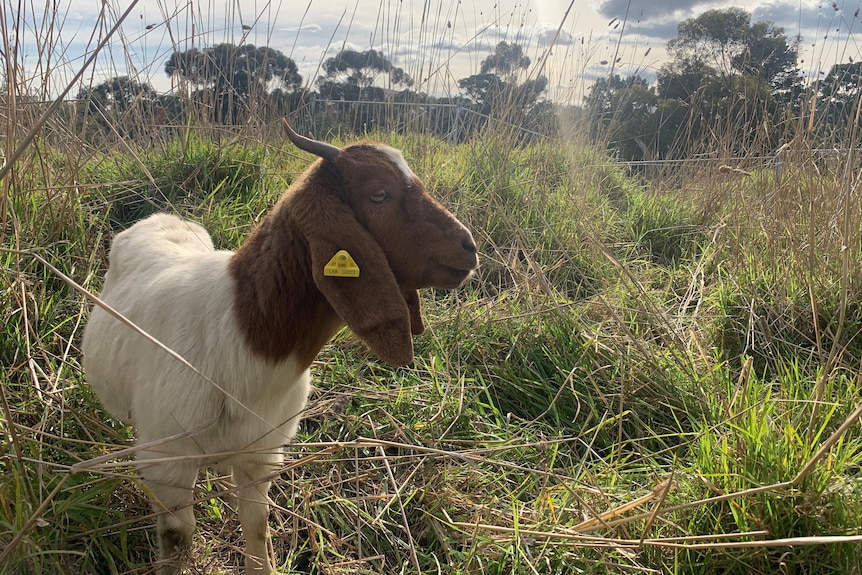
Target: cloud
(310,28)
(650,19)
(659,18)
(545,36)
(651,9)
(812,21)
(662,30)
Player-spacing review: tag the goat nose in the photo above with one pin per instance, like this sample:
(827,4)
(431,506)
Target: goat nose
(469,245)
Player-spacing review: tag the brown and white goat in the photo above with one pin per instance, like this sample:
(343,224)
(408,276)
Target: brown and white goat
(252,321)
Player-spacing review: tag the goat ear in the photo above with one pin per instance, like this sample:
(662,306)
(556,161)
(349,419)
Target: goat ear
(415,307)
(371,303)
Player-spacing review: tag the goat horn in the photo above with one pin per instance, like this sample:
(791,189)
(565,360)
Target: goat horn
(322,149)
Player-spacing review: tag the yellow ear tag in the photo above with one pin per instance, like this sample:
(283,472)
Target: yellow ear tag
(341,265)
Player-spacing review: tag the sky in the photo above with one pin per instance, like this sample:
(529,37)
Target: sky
(436,41)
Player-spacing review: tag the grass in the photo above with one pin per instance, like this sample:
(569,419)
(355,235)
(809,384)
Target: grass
(593,361)
(645,375)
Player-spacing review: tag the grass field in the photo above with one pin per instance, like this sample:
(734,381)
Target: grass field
(646,375)
(640,377)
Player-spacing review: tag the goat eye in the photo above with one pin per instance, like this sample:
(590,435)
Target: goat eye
(378,197)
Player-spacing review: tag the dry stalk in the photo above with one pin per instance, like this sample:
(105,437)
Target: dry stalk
(661,490)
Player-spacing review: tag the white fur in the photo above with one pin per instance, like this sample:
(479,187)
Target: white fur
(165,276)
(397,158)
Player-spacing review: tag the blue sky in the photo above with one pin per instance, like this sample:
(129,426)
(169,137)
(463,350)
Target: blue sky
(436,41)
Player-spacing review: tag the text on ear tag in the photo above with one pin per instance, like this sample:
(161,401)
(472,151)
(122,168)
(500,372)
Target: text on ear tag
(341,265)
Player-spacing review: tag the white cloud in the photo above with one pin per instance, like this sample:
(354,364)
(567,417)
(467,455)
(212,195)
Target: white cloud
(545,35)
(304,28)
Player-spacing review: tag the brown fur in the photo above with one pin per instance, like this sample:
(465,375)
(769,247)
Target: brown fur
(407,241)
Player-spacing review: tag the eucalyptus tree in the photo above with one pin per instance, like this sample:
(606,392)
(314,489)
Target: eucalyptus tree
(503,88)
(354,75)
(736,81)
(233,80)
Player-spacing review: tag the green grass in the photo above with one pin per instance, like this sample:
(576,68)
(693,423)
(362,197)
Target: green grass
(619,334)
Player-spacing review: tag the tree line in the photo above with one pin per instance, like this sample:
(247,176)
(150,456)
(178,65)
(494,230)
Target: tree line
(730,85)
(232,85)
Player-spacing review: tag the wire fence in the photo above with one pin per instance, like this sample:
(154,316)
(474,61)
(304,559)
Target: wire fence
(452,121)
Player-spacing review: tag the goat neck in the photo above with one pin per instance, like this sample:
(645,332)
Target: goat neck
(278,308)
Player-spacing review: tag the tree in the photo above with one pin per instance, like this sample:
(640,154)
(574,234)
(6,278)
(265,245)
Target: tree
(712,39)
(735,79)
(600,101)
(726,43)
(840,93)
(622,114)
(843,83)
(118,95)
(351,75)
(507,60)
(496,90)
(232,78)
(122,106)
(483,89)
(768,54)
(682,79)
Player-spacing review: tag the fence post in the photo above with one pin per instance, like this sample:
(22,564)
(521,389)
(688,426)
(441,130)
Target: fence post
(454,133)
(778,159)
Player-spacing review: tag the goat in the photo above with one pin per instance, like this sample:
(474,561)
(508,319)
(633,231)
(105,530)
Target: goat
(350,242)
